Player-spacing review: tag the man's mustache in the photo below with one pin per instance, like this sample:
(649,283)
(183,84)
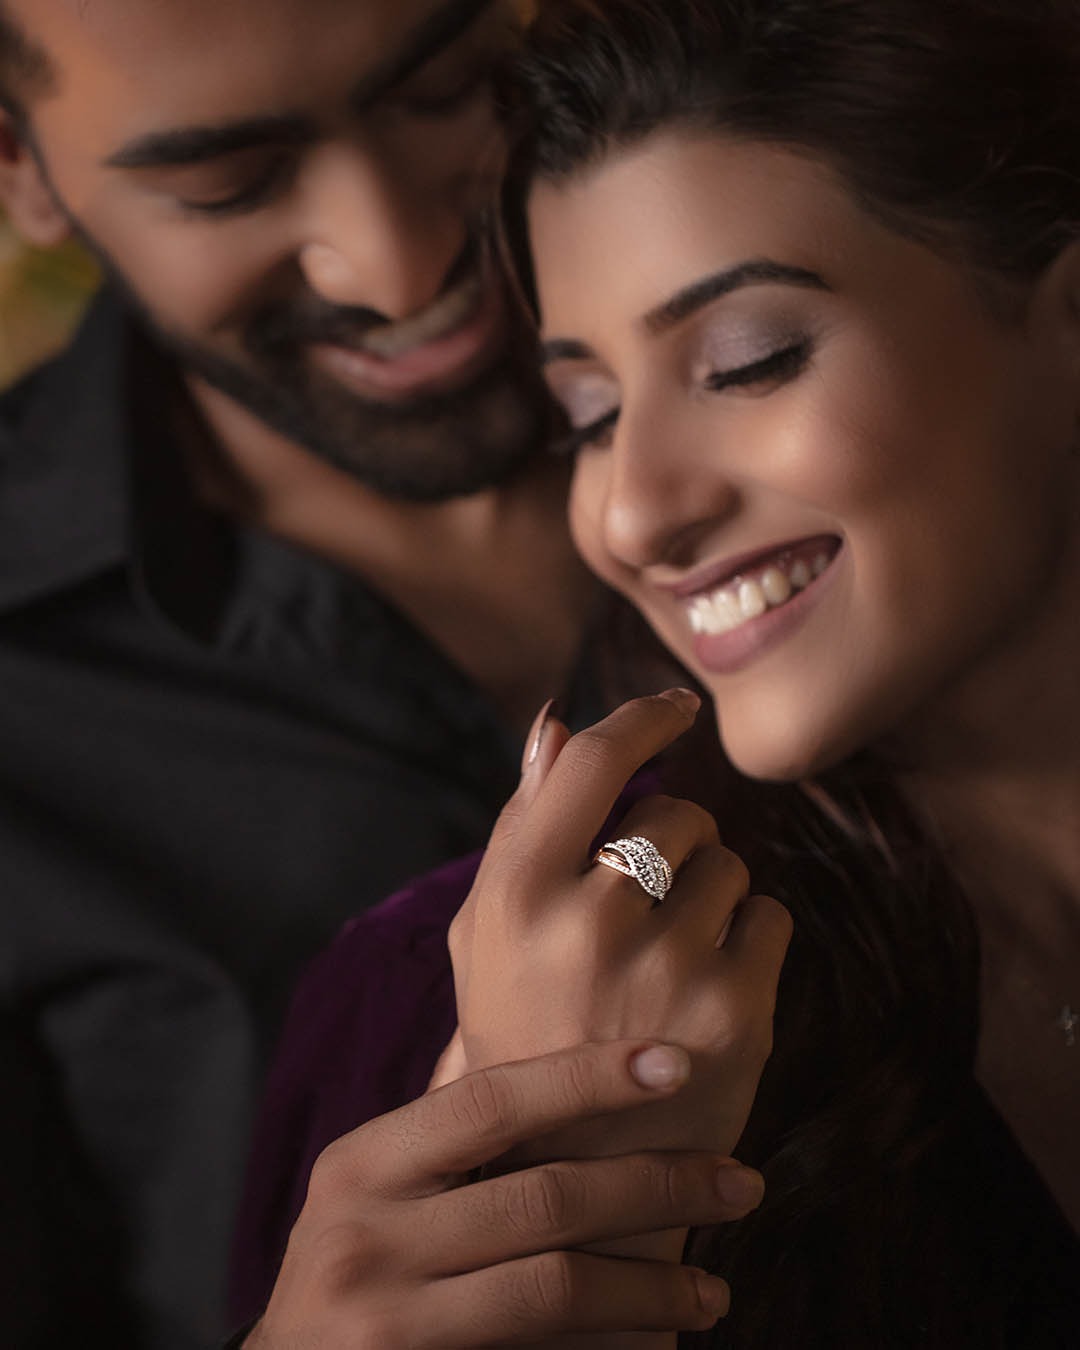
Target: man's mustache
(309,319)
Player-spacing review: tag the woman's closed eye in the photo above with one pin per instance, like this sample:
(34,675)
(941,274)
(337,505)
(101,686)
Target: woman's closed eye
(591,427)
(593,436)
(774,368)
(589,406)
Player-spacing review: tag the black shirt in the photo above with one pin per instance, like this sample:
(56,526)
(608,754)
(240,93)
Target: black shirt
(213,748)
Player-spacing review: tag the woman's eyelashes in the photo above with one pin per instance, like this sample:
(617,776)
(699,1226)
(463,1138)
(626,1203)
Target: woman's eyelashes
(757,377)
(595,435)
(586,404)
(778,366)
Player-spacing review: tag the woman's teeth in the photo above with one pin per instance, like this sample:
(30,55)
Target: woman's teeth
(746,598)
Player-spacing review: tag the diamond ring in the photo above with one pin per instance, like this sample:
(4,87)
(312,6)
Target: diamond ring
(639,858)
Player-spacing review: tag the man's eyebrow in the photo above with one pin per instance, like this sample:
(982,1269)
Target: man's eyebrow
(563,349)
(434,33)
(757,272)
(194,145)
(180,146)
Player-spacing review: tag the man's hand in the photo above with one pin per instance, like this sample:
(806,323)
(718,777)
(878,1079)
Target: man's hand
(396,1247)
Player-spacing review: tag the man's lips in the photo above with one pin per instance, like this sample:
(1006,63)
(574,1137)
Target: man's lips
(437,349)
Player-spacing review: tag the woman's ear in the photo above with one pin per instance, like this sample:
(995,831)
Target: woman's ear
(25,195)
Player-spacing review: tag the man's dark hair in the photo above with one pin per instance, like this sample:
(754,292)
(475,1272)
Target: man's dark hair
(24,66)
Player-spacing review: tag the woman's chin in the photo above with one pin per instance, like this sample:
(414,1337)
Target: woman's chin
(776,752)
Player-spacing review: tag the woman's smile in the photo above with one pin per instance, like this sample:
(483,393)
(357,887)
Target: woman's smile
(760,605)
(746,589)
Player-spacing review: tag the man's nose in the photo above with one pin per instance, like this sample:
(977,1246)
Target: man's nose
(376,238)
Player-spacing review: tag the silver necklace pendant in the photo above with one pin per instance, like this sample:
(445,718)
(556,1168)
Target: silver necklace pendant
(1068,1022)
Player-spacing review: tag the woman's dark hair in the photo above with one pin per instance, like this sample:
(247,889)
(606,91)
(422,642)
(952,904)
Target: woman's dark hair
(956,122)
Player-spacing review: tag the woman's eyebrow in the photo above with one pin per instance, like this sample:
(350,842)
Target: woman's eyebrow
(684,303)
(755,272)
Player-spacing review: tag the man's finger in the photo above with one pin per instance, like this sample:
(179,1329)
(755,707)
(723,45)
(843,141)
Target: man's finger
(459,1127)
(565,1292)
(574,1203)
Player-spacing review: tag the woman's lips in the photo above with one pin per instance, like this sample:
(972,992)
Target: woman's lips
(388,369)
(732,624)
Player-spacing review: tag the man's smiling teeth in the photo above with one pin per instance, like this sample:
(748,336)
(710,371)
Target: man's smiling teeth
(746,598)
(448,313)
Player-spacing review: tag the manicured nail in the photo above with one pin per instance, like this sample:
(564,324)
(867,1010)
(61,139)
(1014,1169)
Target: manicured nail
(661,1067)
(684,699)
(740,1187)
(714,1293)
(723,937)
(536,733)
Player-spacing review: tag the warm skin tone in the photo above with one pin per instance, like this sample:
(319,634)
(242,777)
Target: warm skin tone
(501,1261)
(329,157)
(603,962)
(927,446)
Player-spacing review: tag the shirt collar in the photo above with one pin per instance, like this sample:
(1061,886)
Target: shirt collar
(93,480)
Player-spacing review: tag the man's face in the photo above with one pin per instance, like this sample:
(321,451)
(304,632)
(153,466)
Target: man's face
(293,192)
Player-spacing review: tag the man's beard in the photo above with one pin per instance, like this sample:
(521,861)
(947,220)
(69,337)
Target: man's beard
(427,449)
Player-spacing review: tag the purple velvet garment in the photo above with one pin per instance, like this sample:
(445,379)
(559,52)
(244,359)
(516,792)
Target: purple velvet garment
(368,1022)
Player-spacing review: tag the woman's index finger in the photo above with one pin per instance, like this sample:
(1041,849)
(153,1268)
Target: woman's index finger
(595,766)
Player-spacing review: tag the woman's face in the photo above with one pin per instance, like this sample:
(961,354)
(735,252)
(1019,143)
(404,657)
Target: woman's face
(839,488)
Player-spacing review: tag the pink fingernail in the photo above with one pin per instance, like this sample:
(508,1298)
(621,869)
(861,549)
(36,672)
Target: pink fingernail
(738,1186)
(684,699)
(661,1067)
(539,726)
(714,1294)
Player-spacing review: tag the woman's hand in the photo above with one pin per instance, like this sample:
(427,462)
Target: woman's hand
(551,950)
(395,1248)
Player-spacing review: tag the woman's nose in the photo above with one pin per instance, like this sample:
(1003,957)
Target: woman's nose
(664,490)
